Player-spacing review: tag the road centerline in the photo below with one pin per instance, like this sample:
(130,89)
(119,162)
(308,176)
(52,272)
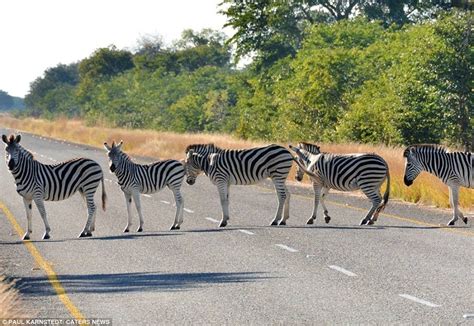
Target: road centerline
(246,232)
(342,270)
(418,300)
(285,247)
(212,219)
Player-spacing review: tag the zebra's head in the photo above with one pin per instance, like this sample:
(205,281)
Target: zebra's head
(413,165)
(197,161)
(302,156)
(113,152)
(12,150)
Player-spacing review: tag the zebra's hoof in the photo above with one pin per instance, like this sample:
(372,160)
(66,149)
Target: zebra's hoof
(140,229)
(464,220)
(310,221)
(282,223)
(26,237)
(327,218)
(274,223)
(126,230)
(370,222)
(451,223)
(363,222)
(223,224)
(46,236)
(84,235)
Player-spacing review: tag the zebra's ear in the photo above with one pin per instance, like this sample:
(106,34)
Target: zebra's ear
(107,147)
(5,139)
(17,139)
(119,146)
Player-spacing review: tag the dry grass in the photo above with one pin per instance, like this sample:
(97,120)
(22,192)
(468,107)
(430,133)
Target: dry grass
(10,302)
(427,189)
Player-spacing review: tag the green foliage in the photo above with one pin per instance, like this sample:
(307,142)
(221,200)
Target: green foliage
(338,80)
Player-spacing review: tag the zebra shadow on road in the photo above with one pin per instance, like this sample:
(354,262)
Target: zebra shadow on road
(127,236)
(135,282)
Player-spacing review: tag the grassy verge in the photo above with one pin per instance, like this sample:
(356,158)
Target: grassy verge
(427,189)
(10,303)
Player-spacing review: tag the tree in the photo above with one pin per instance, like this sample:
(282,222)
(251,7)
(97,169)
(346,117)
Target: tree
(6,101)
(56,77)
(273,29)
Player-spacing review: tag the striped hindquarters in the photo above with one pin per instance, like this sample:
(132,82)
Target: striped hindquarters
(155,176)
(352,171)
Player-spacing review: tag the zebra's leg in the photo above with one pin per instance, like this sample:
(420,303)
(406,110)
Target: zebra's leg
(376,199)
(91,209)
(128,200)
(281,191)
(317,193)
(454,199)
(286,208)
(178,198)
(92,228)
(27,203)
(224,197)
(40,204)
(138,206)
(324,193)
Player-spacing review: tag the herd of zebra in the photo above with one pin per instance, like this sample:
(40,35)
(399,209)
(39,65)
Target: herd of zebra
(344,172)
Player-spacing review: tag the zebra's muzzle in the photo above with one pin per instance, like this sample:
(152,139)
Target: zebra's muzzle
(407,182)
(112,168)
(11,165)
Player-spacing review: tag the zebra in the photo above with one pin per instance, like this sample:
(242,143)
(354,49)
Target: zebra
(455,169)
(343,172)
(226,167)
(135,179)
(42,182)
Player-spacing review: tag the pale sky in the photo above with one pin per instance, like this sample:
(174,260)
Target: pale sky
(38,34)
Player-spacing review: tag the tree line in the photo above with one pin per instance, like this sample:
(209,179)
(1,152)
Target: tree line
(392,72)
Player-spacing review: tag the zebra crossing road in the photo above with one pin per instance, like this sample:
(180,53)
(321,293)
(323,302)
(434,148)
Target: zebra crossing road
(404,269)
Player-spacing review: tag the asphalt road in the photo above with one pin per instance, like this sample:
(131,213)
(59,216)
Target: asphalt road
(405,269)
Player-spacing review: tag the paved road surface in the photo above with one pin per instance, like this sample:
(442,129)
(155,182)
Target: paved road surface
(405,269)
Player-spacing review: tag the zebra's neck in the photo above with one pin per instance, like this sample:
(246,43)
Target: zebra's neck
(204,163)
(25,167)
(434,162)
(124,168)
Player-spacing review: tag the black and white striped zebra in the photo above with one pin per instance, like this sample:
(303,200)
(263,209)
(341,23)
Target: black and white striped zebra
(343,172)
(455,169)
(41,182)
(135,179)
(226,167)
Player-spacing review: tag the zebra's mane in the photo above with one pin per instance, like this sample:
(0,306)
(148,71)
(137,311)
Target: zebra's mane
(423,148)
(210,148)
(27,153)
(118,151)
(312,148)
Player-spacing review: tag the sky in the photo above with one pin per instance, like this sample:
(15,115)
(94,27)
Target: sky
(38,34)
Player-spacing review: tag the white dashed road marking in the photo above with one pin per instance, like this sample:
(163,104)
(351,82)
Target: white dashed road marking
(342,270)
(149,196)
(188,210)
(468,316)
(426,303)
(212,220)
(282,246)
(165,202)
(247,232)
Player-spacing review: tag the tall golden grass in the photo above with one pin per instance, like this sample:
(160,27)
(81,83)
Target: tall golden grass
(10,302)
(427,189)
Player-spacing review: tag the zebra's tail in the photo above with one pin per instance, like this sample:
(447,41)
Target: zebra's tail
(311,174)
(386,194)
(104,195)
